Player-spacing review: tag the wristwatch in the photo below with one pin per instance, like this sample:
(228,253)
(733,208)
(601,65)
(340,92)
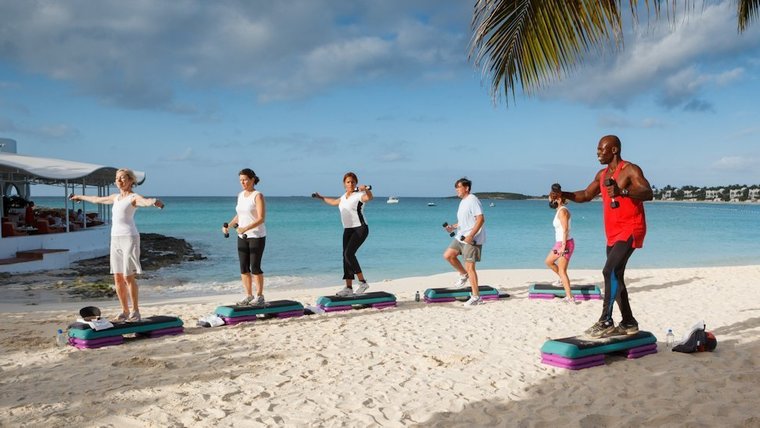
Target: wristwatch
(624,192)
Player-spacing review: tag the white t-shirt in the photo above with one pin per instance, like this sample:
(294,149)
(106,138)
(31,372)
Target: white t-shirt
(469,208)
(246,214)
(352,210)
(123,216)
(559,233)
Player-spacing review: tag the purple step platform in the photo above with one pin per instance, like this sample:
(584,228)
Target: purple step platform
(452,299)
(594,360)
(382,305)
(171,331)
(96,343)
(577,296)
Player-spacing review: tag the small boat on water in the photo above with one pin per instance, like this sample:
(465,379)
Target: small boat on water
(392,200)
(491,204)
(431,204)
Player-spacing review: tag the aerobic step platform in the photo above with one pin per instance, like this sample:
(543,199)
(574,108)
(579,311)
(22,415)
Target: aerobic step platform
(580,352)
(375,299)
(81,335)
(439,295)
(243,313)
(548,291)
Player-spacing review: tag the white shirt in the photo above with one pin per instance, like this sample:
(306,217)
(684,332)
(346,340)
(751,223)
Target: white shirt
(469,208)
(352,210)
(123,216)
(559,232)
(247,214)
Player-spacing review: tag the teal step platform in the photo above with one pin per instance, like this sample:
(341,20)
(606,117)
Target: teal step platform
(82,335)
(235,314)
(548,291)
(439,295)
(375,299)
(580,352)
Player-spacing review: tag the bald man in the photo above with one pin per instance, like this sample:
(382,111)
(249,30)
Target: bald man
(624,189)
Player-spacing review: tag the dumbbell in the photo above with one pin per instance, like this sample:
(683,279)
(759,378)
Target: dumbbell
(611,182)
(445,224)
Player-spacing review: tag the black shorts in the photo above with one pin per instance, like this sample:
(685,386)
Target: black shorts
(250,252)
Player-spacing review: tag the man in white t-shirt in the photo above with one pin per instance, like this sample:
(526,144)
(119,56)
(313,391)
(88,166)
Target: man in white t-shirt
(468,240)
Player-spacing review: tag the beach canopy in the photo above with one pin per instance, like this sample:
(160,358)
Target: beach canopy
(14,167)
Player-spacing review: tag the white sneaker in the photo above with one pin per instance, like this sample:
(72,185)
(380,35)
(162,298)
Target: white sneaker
(473,300)
(557,283)
(362,288)
(462,281)
(258,301)
(345,292)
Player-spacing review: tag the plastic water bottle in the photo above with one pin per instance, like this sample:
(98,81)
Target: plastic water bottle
(417,296)
(60,339)
(669,338)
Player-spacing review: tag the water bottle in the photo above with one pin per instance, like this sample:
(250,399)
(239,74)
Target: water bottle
(60,339)
(417,296)
(669,338)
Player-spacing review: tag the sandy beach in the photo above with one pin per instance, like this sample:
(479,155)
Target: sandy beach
(416,364)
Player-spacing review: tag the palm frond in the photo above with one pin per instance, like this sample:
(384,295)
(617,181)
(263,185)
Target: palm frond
(748,12)
(536,41)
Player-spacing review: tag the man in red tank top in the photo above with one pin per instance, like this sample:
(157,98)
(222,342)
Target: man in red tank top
(624,189)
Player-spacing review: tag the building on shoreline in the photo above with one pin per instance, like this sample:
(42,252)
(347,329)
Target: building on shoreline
(29,242)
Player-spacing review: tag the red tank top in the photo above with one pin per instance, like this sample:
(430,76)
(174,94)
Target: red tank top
(625,221)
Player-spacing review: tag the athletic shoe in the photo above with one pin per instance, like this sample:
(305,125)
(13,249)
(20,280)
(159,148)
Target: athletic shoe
(601,329)
(345,292)
(557,283)
(362,288)
(462,281)
(122,316)
(134,317)
(245,302)
(258,301)
(473,300)
(628,327)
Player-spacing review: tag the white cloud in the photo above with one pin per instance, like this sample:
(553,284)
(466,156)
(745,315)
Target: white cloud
(133,54)
(676,61)
(736,163)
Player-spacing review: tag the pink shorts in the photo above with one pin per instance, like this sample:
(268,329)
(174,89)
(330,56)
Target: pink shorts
(569,248)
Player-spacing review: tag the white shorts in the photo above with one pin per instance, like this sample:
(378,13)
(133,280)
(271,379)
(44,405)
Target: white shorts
(125,254)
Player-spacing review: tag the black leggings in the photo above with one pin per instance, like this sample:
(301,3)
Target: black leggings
(353,238)
(250,252)
(614,285)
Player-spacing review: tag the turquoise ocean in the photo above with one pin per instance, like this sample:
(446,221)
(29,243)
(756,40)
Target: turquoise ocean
(304,235)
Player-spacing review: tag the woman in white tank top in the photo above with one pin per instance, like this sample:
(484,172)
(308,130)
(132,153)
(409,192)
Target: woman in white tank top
(249,222)
(559,256)
(125,239)
(355,229)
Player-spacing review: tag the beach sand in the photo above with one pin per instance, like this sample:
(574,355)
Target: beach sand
(417,364)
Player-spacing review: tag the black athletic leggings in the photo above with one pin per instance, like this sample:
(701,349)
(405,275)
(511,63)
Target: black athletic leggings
(614,285)
(353,238)
(250,252)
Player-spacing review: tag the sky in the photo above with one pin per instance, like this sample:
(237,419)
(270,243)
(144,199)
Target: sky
(302,91)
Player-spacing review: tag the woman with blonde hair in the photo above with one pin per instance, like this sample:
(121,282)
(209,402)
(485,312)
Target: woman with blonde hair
(125,239)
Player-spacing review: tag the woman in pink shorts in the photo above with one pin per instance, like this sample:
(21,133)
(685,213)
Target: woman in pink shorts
(559,257)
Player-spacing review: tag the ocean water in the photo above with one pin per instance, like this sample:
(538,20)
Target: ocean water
(406,239)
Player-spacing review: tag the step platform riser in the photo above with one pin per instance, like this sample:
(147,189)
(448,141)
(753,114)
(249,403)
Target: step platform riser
(595,360)
(251,318)
(95,343)
(452,299)
(382,305)
(172,331)
(575,296)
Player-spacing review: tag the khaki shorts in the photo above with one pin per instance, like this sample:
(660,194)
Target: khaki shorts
(470,252)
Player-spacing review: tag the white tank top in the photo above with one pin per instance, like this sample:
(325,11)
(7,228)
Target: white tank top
(246,214)
(559,232)
(352,210)
(123,216)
